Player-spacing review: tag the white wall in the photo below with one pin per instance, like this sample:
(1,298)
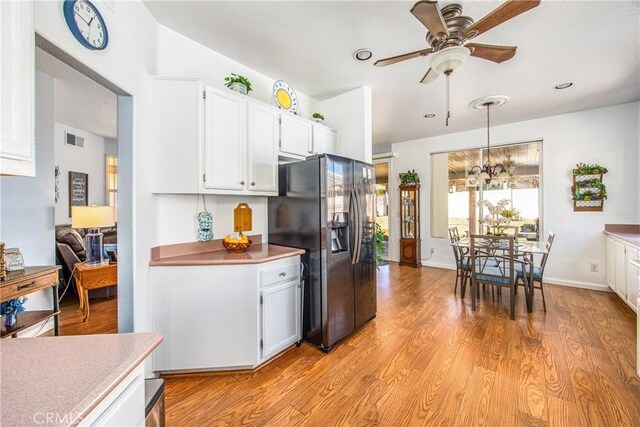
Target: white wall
(608,136)
(350,114)
(139,48)
(127,62)
(27,204)
(177,216)
(111,146)
(88,159)
(179,56)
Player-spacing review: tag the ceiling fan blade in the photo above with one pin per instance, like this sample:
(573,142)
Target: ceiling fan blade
(428,12)
(430,76)
(491,52)
(506,11)
(404,57)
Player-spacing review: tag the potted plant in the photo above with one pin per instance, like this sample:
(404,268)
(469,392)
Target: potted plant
(409,178)
(588,192)
(10,310)
(318,117)
(588,172)
(238,83)
(379,246)
(510,213)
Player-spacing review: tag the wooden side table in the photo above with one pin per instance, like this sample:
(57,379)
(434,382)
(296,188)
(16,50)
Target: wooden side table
(24,282)
(93,277)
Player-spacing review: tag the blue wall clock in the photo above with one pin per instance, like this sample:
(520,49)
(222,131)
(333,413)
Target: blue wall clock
(86,24)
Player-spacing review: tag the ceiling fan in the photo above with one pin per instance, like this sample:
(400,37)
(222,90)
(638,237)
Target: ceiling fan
(449,30)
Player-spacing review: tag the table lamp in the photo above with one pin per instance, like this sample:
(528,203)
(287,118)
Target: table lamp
(93,217)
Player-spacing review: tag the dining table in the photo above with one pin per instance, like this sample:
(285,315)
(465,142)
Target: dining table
(528,249)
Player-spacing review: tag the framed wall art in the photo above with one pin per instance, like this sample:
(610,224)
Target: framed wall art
(78,189)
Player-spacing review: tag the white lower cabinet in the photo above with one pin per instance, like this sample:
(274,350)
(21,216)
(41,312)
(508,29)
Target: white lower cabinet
(622,275)
(620,269)
(281,320)
(632,281)
(124,406)
(212,319)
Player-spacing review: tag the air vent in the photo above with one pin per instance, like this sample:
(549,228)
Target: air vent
(75,140)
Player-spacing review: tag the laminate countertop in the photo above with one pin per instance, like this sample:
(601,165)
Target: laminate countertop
(213,253)
(68,376)
(628,232)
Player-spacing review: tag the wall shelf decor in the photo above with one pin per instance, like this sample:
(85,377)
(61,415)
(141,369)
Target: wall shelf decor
(410,225)
(588,191)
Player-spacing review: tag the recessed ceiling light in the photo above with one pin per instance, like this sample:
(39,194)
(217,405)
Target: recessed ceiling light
(563,85)
(429,116)
(362,54)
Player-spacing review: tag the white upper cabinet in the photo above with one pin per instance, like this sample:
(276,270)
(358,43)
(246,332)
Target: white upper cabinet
(295,135)
(17,149)
(262,147)
(225,140)
(211,140)
(324,139)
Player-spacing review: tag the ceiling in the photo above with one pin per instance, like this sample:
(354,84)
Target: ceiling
(593,44)
(524,157)
(80,102)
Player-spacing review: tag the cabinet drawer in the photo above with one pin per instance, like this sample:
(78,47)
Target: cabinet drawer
(27,286)
(279,274)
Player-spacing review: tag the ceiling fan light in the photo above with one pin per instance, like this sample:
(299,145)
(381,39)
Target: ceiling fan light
(449,59)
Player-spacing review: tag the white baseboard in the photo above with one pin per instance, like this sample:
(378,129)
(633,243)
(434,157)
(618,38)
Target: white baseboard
(427,263)
(575,284)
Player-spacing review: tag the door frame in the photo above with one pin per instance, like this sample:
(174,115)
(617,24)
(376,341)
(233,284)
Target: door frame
(389,161)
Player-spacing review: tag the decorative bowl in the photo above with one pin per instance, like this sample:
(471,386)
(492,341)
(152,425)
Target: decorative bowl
(236,247)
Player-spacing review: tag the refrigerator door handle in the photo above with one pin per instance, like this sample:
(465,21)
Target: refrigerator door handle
(359,212)
(358,231)
(353,208)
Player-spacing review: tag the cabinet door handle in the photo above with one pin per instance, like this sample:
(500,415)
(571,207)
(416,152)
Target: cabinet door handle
(241,182)
(30,285)
(283,274)
(253,183)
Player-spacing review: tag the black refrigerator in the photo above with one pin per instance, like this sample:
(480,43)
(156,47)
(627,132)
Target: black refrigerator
(326,206)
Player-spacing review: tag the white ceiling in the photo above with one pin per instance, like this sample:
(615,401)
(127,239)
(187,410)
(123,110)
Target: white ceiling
(594,44)
(80,102)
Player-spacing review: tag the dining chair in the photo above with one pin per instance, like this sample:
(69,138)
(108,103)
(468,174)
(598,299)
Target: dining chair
(459,254)
(538,270)
(492,258)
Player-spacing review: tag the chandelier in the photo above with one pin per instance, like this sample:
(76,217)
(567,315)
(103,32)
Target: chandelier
(488,172)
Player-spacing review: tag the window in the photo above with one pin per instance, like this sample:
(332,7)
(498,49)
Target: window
(454,204)
(111,165)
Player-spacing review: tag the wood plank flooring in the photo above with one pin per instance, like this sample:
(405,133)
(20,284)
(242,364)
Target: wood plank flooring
(427,359)
(103,318)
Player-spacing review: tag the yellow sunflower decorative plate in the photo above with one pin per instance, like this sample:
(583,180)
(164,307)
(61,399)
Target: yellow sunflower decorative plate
(285,96)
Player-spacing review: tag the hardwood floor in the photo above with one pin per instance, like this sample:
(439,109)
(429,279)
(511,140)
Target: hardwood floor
(427,359)
(103,319)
